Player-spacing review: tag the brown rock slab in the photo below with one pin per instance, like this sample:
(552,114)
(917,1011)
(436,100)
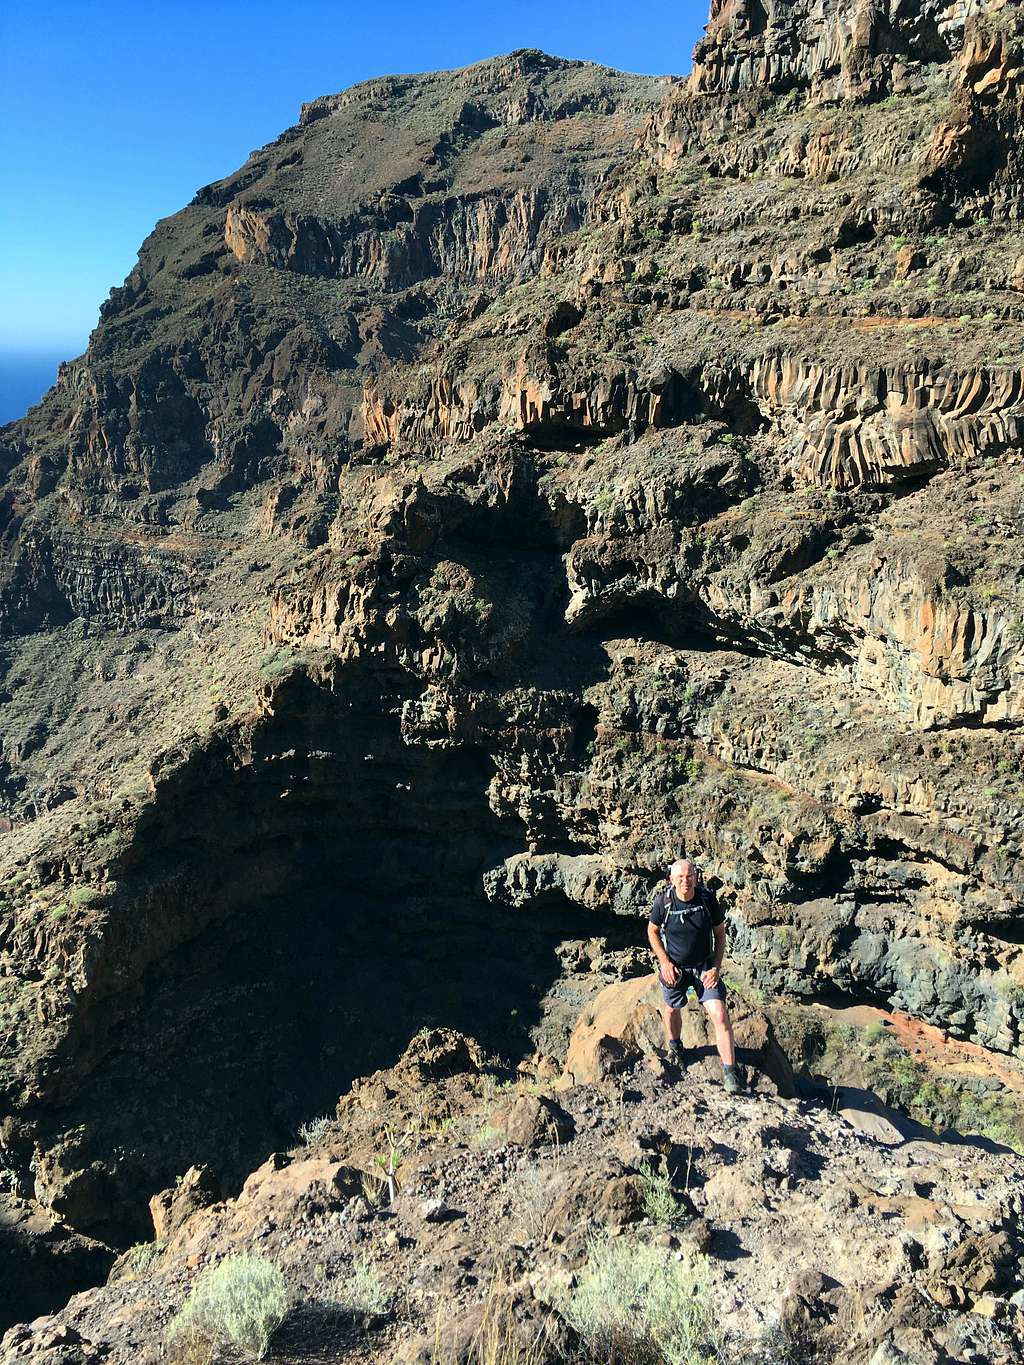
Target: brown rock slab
(610,1196)
(532,1121)
(624,1024)
(197,1189)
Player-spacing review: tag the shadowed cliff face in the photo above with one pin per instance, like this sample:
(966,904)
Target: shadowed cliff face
(508,480)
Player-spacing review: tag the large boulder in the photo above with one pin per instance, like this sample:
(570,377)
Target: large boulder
(532,1121)
(623,1024)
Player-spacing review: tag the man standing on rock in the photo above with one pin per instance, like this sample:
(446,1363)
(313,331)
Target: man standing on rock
(687,936)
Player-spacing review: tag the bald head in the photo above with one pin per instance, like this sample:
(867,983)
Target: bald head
(683,876)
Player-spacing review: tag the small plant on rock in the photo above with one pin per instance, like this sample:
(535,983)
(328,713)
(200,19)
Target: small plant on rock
(315,1130)
(391,1159)
(82,896)
(988,592)
(604,501)
(138,1258)
(659,1201)
(365,1294)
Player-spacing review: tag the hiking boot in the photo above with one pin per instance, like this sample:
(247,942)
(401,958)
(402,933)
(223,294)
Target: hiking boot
(677,1054)
(733,1080)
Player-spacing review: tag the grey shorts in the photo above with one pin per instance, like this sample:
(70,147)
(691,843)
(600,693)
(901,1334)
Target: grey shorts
(689,978)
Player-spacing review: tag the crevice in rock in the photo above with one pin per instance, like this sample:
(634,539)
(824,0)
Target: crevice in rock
(1002,930)
(584,731)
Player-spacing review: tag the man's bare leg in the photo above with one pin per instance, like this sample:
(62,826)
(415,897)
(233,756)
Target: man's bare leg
(719,1016)
(673,1023)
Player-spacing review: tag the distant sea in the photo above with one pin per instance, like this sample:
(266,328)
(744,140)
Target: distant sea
(26,375)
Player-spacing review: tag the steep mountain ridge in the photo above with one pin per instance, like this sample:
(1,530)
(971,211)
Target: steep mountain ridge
(507,480)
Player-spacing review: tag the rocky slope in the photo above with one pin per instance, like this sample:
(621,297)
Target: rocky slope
(899,1246)
(508,480)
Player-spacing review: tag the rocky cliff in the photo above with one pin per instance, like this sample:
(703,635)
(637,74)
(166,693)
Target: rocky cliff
(508,480)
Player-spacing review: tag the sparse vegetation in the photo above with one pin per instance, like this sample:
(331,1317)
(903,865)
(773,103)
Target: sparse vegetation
(501,1338)
(238,1305)
(139,1258)
(659,1200)
(277,663)
(988,592)
(389,1161)
(941,1102)
(634,1304)
(364,1293)
(535,1191)
(603,501)
(82,896)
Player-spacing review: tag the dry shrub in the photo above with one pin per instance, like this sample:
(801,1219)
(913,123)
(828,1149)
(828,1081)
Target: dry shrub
(635,1304)
(239,1303)
(502,1337)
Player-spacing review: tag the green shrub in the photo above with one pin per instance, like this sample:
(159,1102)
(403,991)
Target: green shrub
(140,1257)
(239,1303)
(660,1204)
(365,1295)
(276,663)
(636,1305)
(84,895)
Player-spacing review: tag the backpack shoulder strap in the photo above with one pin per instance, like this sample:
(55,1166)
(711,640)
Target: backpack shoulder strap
(702,893)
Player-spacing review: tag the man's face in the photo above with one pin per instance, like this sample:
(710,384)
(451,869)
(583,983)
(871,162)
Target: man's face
(684,883)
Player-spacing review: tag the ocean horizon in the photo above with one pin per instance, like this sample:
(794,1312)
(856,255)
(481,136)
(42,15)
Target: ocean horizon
(25,375)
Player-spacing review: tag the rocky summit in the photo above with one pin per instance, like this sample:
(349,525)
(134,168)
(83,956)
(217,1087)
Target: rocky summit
(507,481)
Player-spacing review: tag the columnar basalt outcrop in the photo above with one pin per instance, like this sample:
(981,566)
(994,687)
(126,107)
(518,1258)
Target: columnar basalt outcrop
(838,427)
(494,240)
(843,51)
(506,481)
(875,426)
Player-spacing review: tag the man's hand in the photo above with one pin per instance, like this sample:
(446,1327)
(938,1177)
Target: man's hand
(710,978)
(669,973)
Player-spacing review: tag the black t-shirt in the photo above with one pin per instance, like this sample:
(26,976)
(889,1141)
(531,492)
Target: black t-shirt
(687,934)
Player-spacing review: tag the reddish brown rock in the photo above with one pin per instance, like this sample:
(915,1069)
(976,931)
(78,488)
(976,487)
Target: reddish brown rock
(624,1024)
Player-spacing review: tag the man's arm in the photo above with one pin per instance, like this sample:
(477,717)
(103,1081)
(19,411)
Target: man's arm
(710,977)
(665,967)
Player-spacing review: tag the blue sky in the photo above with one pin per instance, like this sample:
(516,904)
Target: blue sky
(113,114)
